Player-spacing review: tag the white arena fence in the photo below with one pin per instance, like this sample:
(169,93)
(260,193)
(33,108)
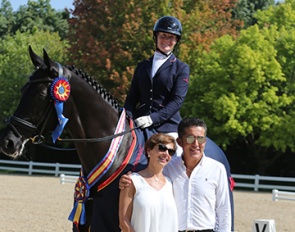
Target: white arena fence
(257,182)
(69,173)
(282,195)
(67,179)
(30,168)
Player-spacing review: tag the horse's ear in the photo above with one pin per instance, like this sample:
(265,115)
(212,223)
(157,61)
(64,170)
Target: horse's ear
(36,60)
(49,63)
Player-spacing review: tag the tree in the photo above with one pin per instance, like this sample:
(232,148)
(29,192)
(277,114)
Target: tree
(280,15)
(244,88)
(241,90)
(38,14)
(6,18)
(204,22)
(108,42)
(246,9)
(16,66)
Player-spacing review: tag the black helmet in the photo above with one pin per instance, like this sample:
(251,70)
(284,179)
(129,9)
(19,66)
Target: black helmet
(168,24)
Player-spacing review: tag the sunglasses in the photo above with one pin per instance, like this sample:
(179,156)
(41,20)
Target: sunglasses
(163,148)
(190,139)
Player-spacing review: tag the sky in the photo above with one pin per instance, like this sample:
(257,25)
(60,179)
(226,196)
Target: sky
(56,4)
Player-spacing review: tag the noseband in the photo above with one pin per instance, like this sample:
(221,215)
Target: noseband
(13,121)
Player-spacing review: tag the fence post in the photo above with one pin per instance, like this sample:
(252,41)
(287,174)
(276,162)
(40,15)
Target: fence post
(256,183)
(62,178)
(56,169)
(31,167)
(275,194)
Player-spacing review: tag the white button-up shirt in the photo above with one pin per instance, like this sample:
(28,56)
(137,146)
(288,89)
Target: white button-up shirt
(203,198)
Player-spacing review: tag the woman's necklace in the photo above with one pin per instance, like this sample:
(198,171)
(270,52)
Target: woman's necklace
(153,176)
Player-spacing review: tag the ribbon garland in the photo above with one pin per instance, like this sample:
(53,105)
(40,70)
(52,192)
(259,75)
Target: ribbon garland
(78,215)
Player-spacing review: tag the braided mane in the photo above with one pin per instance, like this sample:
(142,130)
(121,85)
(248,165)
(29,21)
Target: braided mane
(99,89)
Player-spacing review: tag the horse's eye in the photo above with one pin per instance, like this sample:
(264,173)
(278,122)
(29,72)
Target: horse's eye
(41,96)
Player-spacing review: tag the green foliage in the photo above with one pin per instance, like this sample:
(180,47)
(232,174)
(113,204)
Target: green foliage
(240,89)
(6,18)
(281,15)
(16,66)
(35,24)
(36,14)
(246,9)
(108,42)
(242,82)
(283,18)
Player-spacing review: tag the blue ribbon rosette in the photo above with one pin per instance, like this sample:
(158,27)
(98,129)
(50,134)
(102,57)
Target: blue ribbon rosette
(60,92)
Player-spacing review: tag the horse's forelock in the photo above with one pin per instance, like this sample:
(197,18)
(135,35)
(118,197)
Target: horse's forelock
(39,73)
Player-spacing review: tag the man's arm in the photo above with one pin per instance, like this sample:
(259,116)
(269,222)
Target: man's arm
(223,209)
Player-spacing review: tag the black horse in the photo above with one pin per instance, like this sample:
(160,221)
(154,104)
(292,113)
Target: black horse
(107,143)
(92,113)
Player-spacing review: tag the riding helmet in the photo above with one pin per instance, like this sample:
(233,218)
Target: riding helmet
(168,24)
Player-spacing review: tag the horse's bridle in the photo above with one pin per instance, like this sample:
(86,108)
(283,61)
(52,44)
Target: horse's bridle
(13,121)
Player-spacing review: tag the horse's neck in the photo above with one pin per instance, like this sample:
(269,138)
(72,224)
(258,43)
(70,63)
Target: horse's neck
(90,116)
(91,109)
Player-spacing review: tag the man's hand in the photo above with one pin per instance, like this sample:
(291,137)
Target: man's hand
(125,180)
(144,121)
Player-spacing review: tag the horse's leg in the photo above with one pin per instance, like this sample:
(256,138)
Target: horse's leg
(105,216)
(88,209)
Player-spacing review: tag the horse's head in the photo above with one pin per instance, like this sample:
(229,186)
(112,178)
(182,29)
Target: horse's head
(35,114)
(55,96)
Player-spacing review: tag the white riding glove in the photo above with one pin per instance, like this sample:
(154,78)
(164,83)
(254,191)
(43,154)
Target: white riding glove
(144,121)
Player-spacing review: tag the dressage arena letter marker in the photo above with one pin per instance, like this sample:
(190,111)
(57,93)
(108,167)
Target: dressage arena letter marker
(264,225)
(257,227)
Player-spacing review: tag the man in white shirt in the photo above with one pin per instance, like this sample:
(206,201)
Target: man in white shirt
(200,183)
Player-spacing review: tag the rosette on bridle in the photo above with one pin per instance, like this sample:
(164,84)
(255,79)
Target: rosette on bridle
(60,92)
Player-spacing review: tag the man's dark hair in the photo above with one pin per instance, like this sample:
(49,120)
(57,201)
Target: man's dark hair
(189,122)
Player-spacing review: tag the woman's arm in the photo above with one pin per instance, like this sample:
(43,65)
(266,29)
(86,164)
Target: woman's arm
(125,208)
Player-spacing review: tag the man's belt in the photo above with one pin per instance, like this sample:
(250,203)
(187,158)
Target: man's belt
(210,230)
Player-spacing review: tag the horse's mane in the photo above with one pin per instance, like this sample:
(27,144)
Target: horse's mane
(99,89)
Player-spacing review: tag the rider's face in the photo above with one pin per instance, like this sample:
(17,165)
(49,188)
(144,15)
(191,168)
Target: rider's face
(166,41)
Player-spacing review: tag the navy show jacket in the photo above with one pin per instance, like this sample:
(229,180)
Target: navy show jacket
(162,96)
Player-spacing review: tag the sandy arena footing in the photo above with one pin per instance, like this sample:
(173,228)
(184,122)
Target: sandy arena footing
(42,204)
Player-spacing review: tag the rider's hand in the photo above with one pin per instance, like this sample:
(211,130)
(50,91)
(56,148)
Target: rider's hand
(125,180)
(144,121)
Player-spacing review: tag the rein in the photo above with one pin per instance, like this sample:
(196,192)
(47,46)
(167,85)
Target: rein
(94,140)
